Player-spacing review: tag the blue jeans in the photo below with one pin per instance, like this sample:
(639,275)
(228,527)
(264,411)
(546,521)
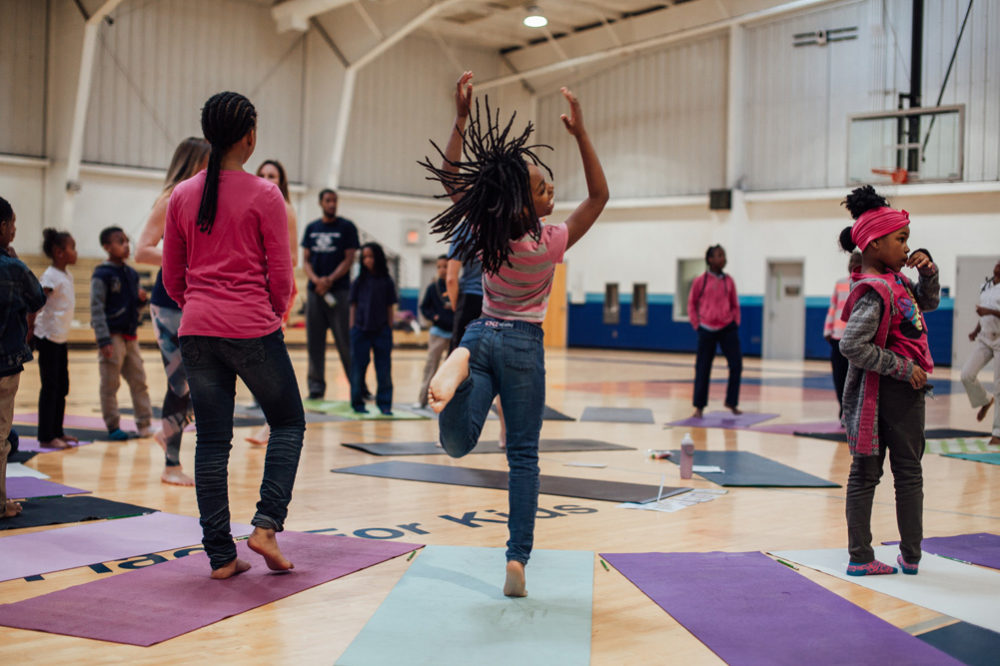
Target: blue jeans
(212,365)
(507,357)
(365,344)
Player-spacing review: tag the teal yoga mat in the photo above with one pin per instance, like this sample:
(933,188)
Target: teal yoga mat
(991,458)
(449,608)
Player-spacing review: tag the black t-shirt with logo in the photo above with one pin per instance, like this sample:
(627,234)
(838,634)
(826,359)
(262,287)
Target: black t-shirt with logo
(328,243)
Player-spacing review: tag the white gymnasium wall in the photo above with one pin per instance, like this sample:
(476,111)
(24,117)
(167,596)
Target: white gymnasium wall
(658,121)
(22,71)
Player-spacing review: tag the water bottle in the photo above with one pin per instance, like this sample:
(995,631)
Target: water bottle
(687,456)
(330,299)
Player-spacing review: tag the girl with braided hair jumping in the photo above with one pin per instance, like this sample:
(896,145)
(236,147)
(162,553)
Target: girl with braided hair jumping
(499,195)
(227,264)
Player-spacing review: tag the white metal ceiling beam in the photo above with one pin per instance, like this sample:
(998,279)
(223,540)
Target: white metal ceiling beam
(641,45)
(295,14)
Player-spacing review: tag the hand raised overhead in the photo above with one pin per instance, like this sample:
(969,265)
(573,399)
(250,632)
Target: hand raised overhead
(574,121)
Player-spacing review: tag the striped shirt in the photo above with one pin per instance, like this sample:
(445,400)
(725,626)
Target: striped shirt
(521,290)
(834,325)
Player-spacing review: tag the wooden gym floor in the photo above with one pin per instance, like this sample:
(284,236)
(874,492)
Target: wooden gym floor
(316,626)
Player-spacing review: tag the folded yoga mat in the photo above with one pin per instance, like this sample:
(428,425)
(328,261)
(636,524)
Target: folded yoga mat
(960,445)
(724,420)
(32,444)
(618,414)
(749,609)
(794,428)
(966,642)
(961,591)
(449,608)
(59,510)
(343,410)
(24,487)
(79,545)
(158,602)
(930,433)
(990,458)
(484,446)
(610,491)
(981,548)
(742,468)
(19,469)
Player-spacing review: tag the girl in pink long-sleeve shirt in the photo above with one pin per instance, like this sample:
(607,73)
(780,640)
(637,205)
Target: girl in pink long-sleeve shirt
(714,309)
(227,264)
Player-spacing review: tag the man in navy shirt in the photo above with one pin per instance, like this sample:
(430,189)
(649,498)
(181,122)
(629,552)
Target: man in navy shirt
(329,246)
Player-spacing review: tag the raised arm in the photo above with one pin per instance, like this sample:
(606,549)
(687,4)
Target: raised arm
(453,150)
(581,219)
(147,249)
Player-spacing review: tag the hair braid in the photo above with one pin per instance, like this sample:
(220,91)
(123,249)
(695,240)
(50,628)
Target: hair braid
(496,204)
(226,118)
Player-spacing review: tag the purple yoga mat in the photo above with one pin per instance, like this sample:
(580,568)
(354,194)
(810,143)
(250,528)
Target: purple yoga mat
(23,487)
(792,428)
(724,420)
(749,609)
(981,548)
(32,444)
(162,601)
(79,545)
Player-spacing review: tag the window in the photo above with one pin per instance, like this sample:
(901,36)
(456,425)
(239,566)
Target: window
(687,271)
(640,305)
(612,311)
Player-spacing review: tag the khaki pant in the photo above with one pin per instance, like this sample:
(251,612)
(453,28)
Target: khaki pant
(8,388)
(125,362)
(436,347)
(983,352)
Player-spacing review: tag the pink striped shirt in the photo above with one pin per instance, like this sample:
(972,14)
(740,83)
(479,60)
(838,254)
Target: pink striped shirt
(834,325)
(521,290)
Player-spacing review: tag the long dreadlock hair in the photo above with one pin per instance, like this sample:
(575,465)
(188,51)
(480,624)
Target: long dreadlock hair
(496,203)
(226,118)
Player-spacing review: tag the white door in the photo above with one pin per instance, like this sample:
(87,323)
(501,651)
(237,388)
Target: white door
(784,312)
(970,273)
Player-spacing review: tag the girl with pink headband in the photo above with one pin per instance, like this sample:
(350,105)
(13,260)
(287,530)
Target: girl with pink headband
(885,341)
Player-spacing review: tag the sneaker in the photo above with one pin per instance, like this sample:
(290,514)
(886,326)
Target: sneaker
(906,567)
(873,568)
(386,412)
(117,435)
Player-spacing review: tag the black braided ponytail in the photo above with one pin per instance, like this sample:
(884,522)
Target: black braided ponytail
(496,204)
(226,118)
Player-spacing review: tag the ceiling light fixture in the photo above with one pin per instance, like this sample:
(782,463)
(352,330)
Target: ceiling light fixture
(535,18)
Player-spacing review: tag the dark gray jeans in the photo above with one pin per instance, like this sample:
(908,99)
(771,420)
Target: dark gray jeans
(901,434)
(320,317)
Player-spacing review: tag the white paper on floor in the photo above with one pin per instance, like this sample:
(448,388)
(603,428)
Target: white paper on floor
(671,504)
(962,591)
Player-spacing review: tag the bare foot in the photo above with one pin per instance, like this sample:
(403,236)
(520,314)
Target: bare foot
(447,379)
(54,443)
(260,437)
(237,566)
(698,413)
(981,414)
(514,586)
(734,409)
(175,476)
(264,543)
(161,439)
(70,438)
(11,509)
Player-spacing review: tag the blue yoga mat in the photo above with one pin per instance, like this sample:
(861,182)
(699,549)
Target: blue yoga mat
(742,468)
(991,458)
(966,642)
(449,608)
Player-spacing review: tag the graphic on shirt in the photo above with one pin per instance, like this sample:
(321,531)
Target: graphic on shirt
(325,242)
(912,325)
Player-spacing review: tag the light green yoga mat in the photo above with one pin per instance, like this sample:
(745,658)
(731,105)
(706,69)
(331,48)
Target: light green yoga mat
(342,409)
(449,608)
(960,445)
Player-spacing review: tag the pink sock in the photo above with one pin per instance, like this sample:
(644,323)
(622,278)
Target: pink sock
(873,568)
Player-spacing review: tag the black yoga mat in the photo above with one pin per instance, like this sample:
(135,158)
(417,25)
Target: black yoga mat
(743,468)
(930,433)
(611,491)
(21,456)
(82,434)
(431,448)
(618,414)
(966,642)
(241,418)
(548,414)
(59,510)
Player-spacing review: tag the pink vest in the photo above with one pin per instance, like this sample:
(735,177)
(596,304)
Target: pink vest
(907,328)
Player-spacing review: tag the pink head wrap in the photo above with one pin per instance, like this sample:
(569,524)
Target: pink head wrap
(876,223)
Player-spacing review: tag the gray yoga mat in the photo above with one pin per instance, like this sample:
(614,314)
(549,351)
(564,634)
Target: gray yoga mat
(491,446)
(618,415)
(610,491)
(966,642)
(743,468)
(548,414)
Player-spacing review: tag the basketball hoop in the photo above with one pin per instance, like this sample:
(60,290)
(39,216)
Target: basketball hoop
(898,175)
